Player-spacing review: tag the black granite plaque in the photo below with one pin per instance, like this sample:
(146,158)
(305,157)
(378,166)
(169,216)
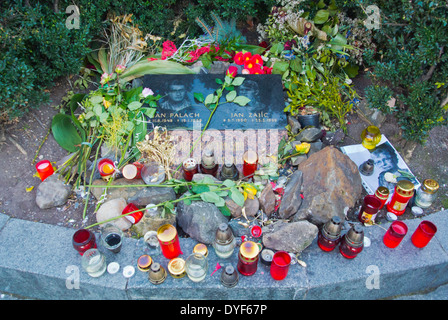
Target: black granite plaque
(177,109)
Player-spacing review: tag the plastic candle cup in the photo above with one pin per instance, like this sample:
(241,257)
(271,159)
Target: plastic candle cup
(106,167)
(280,265)
(395,234)
(423,234)
(83,240)
(44,169)
(250,163)
(169,241)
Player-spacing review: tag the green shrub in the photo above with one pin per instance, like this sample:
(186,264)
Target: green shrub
(411,61)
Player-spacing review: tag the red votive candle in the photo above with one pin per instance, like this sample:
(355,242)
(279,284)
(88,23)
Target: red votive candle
(395,234)
(83,240)
(44,169)
(369,209)
(250,163)
(106,167)
(248,258)
(280,265)
(423,234)
(169,241)
(133,217)
(190,167)
(403,192)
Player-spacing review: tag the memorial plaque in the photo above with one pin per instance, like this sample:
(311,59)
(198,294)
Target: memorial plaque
(177,109)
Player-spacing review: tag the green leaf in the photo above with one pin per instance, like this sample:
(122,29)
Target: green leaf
(237,196)
(104,116)
(225,211)
(209,99)
(98,110)
(229,183)
(200,189)
(238,81)
(199,96)
(242,101)
(210,197)
(96,99)
(150,112)
(230,96)
(134,105)
(321,16)
(65,133)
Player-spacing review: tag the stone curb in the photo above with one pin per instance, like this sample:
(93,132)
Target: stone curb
(37,261)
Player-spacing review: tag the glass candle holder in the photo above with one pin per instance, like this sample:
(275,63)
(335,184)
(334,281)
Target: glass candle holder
(404,191)
(94,262)
(250,163)
(229,171)
(352,242)
(426,194)
(395,234)
(330,234)
(44,169)
(382,193)
(112,237)
(224,243)
(196,267)
(169,241)
(280,265)
(132,217)
(369,209)
(370,137)
(229,277)
(190,167)
(248,258)
(83,240)
(423,234)
(208,163)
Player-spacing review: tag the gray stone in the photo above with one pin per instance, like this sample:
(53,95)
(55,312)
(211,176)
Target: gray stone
(235,209)
(52,192)
(267,199)
(309,135)
(251,207)
(291,237)
(117,192)
(200,176)
(315,147)
(333,138)
(295,161)
(294,124)
(199,220)
(291,200)
(112,209)
(154,195)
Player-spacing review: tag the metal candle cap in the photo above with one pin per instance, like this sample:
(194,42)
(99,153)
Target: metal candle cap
(430,186)
(224,234)
(355,236)
(144,263)
(229,171)
(249,250)
(366,168)
(157,274)
(176,267)
(332,228)
(229,277)
(201,248)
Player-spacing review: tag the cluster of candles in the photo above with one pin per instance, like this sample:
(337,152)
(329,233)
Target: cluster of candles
(196,264)
(208,165)
(352,243)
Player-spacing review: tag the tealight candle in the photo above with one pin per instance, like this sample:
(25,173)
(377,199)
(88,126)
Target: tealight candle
(250,163)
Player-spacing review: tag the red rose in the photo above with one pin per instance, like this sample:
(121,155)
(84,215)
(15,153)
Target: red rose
(232,71)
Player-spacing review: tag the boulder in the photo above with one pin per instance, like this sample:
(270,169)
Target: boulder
(267,200)
(111,209)
(251,207)
(52,192)
(291,237)
(200,220)
(154,195)
(331,184)
(116,193)
(291,200)
(309,135)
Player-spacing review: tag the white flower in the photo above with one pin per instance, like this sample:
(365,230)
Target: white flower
(390,177)
(147,92)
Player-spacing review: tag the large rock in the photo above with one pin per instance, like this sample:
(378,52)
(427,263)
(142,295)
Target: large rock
(52,192)
(154,195)
(331,185)
(267,199)
(199,220)
(291,237)
(291,200)
(117,192)
(111,209)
